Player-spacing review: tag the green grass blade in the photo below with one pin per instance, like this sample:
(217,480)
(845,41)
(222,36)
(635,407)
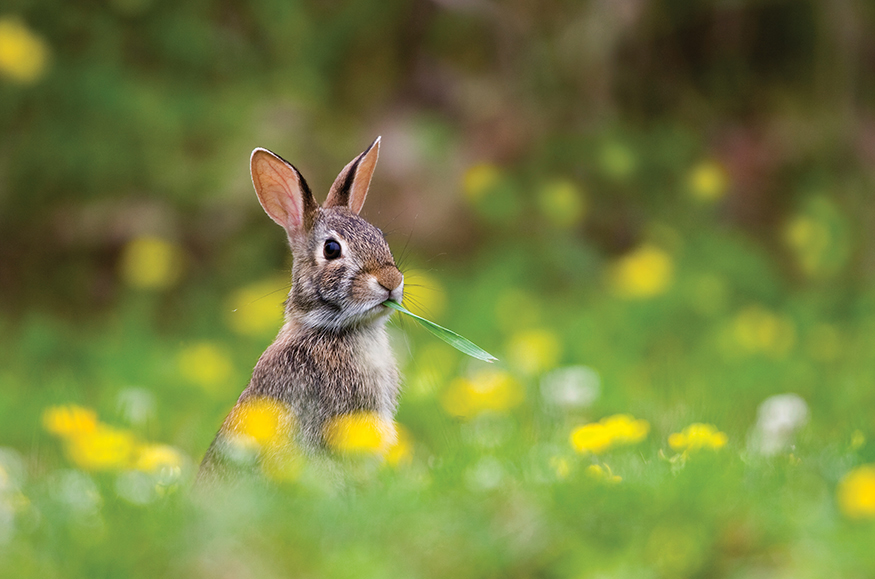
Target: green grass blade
(460,343)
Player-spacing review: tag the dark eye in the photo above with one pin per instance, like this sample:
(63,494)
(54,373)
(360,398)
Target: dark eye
(331,249)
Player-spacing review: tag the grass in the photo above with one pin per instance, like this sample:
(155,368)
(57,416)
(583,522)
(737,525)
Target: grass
(493,483)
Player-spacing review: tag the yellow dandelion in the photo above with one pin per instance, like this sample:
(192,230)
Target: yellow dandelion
(534,351)
(645,272)
(758,330)
(602,473)
(151,263)
(626,429)
(593,437)
(611,431)
(361,432)
(24,55)
(257,309)
(562,203)
(856,493)
(153,458)
(104,448)
(697,436)
(425,294)
(479,179)
(260,422)
(485,391)
(708,181)
(206,364)
(70,420)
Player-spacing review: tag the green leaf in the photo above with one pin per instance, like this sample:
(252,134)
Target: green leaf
(460,343)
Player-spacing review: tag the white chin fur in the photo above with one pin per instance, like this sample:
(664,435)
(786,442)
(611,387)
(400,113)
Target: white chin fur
(357,315)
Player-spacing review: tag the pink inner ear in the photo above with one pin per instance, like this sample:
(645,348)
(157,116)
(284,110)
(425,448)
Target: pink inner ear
(362,181)
(278,189)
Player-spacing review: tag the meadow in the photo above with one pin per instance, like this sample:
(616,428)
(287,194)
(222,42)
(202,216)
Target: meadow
(677,286)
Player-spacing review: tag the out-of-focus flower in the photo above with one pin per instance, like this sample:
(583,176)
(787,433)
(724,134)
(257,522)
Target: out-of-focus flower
(758,330)
(479,179)
(424,294)
(560,466)
(856,493)
(259,423)
(562,203)
(151,263)
(708,181)
(534,351)
(104,448)
(361,432)
(153,458)
(571,387)
(69,420)
(643,273)
(778,419)
(697,436)
(818,237)
(609,432)
(617,160)
(206,364)
(24,55)
(257,309)
(488,390)
(602,473)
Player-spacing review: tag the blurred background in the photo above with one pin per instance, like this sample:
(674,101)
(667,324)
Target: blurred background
(655,207)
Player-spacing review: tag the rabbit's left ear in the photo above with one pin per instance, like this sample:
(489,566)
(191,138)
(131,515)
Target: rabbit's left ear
(351,186)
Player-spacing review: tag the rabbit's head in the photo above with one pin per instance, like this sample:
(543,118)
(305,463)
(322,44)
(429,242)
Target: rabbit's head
(343,269)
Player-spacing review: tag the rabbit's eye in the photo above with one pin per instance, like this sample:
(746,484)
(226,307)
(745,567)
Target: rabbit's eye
(331,249)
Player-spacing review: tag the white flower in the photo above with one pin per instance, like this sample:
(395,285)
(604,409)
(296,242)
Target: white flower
(571,387)
(779,418)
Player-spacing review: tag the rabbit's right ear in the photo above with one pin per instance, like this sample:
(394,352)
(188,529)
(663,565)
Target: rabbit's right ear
(282,191)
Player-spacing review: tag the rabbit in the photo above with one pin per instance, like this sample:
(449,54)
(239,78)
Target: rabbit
(331,357)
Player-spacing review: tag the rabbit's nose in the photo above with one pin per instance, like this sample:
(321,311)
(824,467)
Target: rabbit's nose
(389,278)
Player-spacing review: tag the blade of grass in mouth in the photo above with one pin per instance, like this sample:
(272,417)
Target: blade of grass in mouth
(460,343)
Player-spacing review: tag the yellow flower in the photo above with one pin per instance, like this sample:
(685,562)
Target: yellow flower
(260,422)
(756,329)
(611,431)
(593,437)
(157,457)
(602,473)
(479,179)
(645,272)
(856,493)
(708,181)
(104,448)
(151,263)
(533,351)
(424,294)
(361,432)
(206,364)
(68,421)
(697,436)
(488,390)
(562,203)
(23,54)
(257,309)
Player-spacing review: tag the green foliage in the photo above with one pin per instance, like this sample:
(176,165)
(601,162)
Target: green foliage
(654,213)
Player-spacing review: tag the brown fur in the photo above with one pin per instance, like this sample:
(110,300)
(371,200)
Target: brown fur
(331,357)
